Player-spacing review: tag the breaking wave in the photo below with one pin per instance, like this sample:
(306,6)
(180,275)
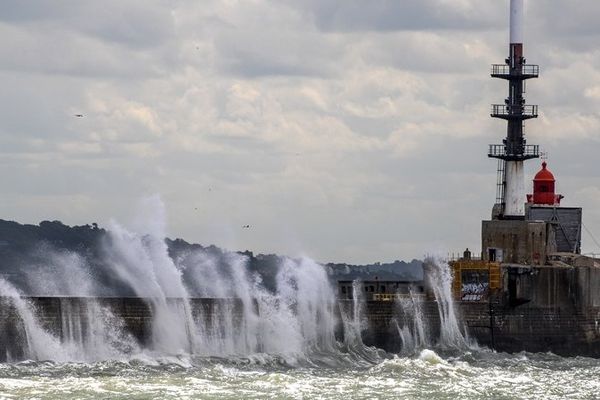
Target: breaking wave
(231,314)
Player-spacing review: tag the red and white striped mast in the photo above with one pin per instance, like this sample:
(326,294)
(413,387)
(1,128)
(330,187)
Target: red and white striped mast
(514,151)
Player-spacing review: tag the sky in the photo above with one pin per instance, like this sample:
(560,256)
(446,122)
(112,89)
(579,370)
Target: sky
(343,130)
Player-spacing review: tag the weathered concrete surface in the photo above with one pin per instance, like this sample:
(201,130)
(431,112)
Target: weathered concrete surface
(532,328)
(539,309)
(535,329)
(522,242)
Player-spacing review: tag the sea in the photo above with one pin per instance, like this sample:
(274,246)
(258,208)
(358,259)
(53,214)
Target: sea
(481,374)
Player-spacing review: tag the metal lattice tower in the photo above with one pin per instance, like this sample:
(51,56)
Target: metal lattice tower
(514,151)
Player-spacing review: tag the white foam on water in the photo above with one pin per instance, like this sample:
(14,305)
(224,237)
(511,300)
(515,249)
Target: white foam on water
(439,278)
(431,357)
(140,259)
(88,330)
(296,319)
(91,332)
(412,328)
(425,375)
(355,322)
(39,344)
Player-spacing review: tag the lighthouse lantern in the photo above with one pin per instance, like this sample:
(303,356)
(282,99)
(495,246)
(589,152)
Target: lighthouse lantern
(544,189)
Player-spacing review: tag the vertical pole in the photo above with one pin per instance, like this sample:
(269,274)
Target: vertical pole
(514,188)
(491,308)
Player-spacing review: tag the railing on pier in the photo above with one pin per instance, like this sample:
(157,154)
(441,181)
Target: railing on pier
(460,256)
(396,296)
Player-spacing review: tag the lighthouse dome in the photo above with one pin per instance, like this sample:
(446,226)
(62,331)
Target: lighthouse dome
(544,174)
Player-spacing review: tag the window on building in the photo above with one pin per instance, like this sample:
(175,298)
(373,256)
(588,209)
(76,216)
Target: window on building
(492,255)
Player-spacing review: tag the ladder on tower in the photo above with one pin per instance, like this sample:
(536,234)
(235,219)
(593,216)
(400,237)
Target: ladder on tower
(500,182)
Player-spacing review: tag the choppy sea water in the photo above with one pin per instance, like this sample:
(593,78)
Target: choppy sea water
(426,375)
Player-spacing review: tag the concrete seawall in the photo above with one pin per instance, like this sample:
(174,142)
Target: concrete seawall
(384,319)
(534,328)
(530,327)
(565,331)
(57,315)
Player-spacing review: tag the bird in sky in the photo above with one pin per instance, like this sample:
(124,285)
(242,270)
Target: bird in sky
(79,115)
(246,226)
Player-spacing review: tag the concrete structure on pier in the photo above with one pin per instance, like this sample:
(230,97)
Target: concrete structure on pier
(537,292)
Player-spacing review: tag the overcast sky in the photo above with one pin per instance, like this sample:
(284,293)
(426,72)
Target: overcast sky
(350,131)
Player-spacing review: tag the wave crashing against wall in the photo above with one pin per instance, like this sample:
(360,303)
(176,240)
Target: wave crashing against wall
(189,302)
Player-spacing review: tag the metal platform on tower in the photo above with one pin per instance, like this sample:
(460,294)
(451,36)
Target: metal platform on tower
(514,111)
(525,71)
(526,152)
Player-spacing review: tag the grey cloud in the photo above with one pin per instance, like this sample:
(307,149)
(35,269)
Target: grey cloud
(56,51)
(348,131)
(35,106)
(266,53)
(574,19)
(425,52)
(569,28)
(130,23)
(390,15)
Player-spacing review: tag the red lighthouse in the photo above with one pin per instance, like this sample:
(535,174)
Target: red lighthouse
(543,189)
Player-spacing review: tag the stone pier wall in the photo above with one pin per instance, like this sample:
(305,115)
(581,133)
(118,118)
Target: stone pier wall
(529,327)
(383,319)
(532,328)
